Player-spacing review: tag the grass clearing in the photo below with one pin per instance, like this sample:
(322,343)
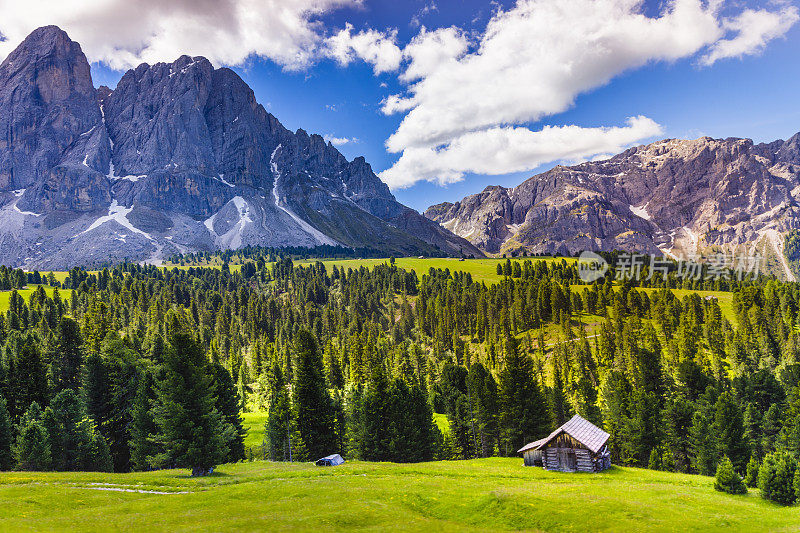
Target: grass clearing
(254,424)
(480,269)
(724,299)
(476,495)
(5,296)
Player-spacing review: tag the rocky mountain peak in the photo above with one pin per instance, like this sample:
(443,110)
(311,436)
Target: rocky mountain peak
(179,156)
(674,196)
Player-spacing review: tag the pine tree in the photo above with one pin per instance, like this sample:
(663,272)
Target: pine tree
(71,434)
(191,432)
(27,374)
(524,416)
(143,426)
(483,392)
(6,437)
(374,433)
(278,426)
(313,407)
(228,404)
(703,445)
(776,478)
(727,480)
(729,429)
(32,447)
(69,355)
(751,477)
(559,404)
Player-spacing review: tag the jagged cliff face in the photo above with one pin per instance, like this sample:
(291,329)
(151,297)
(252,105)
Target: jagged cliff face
(178,157)
(677,197)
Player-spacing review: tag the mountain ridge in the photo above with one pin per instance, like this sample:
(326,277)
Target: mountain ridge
(674,197)
(178,157)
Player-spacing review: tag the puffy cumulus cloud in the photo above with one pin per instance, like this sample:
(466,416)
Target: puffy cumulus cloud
(502,150)
(531,62)
(375,47)
(753,29)
(430,50)
(124,33)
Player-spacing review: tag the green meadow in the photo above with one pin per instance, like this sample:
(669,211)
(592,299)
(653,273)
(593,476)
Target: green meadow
(497,494)
(480,269)
(5,296)
(254,422)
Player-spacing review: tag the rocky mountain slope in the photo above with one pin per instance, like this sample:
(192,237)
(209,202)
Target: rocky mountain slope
(178,157)
(674,197)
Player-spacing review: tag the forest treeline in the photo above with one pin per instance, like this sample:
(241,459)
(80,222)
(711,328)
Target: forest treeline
(142,368)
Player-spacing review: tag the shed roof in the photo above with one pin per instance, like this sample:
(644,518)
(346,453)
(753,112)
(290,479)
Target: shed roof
(579,429)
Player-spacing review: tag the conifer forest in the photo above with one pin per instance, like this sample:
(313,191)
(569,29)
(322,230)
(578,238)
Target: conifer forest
(140,368)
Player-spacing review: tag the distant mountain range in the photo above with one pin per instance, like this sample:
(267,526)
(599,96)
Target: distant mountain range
(178,157)
(674,197)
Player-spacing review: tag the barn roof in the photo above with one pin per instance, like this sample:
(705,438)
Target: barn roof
(579,429)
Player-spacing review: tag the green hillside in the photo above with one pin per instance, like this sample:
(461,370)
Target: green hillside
(476,495)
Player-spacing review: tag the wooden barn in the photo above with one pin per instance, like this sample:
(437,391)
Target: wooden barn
(577,446)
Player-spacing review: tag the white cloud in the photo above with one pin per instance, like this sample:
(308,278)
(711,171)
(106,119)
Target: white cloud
(754,29)
(339,141)
(431,50)
(502,150)
(124,33)
(531,62)
(375,47)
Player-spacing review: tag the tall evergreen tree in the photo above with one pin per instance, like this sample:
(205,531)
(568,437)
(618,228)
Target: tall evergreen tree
(143,427)
(71,435)
(68,363)
(313,407)
(278,428)
(6,437)
(374,433)
(483,392)
(191,432)
(32,447)
(729,429)
(229,405)
(524,416)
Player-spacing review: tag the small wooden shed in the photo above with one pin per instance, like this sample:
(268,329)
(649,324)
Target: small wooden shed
(577,446)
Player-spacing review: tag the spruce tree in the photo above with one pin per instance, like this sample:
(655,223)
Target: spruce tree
(191,432)
(313,408)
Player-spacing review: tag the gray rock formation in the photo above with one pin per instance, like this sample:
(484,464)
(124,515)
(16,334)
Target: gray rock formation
(678,197)
(178,157)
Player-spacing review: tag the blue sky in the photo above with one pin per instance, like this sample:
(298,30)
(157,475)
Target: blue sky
(685,68)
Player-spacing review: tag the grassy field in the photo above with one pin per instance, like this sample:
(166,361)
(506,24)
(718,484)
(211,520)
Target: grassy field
(480,269)
(254,423)
(5,296)
(724,299)
(478,495)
